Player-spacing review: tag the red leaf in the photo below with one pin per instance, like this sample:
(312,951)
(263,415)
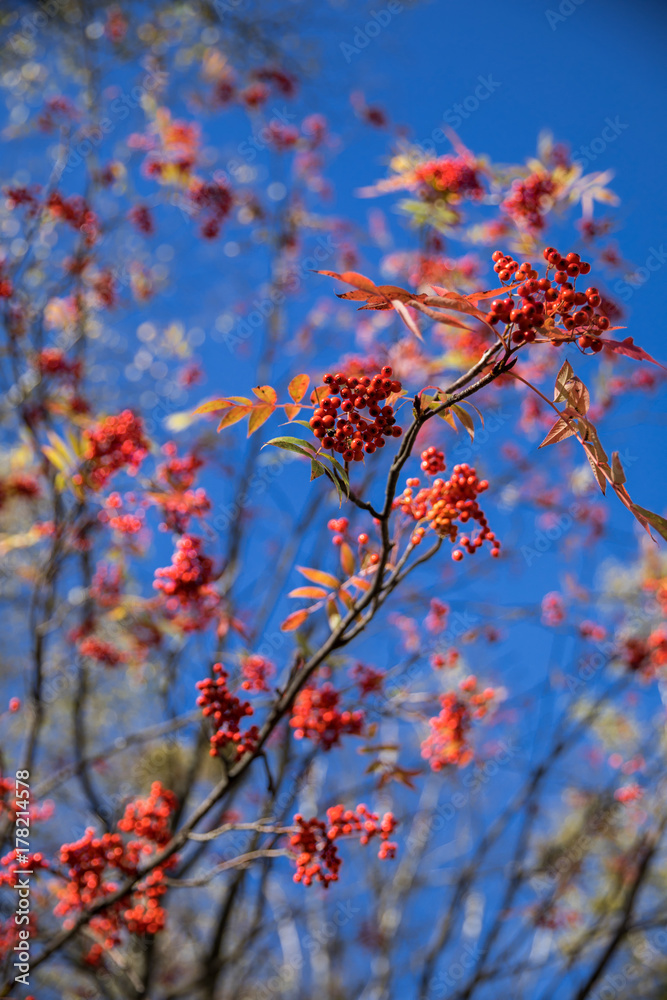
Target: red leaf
(313,592)
(354,279)
(631,350)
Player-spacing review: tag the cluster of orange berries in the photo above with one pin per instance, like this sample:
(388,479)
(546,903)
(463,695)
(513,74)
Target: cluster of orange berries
(188,577)
(318,857)
(448,739)
(446,503)
(543,298)
(226,712)
(316,716)
(433,461)
(90,860)
(115,443)
(340,426)
(256,672)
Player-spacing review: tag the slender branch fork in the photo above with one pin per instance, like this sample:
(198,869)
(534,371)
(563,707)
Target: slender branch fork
(348,628)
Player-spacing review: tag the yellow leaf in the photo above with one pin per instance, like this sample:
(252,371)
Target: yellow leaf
(258,417)
(266,393)
(297,387)
(234,415)
(347,559)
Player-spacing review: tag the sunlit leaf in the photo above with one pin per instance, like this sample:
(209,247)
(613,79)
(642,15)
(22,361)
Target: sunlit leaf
(561,430)
(617,471)
(293,621)
(266,393)
(563,376)
(298,387)
(655,520)
(258,417)
(313,592)
(234,415)
(465,419)
(404,313)
(319,576)
(347,559)
(297,445)
(631,350)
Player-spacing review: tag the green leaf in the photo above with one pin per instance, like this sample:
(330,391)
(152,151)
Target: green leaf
(655,520)
(316,469)
(297,445)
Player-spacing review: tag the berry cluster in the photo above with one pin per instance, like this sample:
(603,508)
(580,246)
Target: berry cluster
(316,716)
(256,671)
(544,298)
(350,434)
(448,739)
(188,578)
(446,502)
(115,443)
(102,652)
(52,361)
(91,860)
(314,842)
(150,818)
(433,461)
(214,200)
(453,176)
(339,526)
(226,712)
(528,200)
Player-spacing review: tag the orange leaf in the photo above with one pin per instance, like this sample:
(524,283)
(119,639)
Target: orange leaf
(258,417)
(313,592)
(347,559)
(319,393)
(266,393)
(319,576)
(297,387)
(354,279)
(294,620)
(234,415)
(291,410)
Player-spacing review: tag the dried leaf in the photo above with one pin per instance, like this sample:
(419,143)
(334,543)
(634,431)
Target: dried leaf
(404,313)
(617,471)
(465,419)
(564,374)
(655,520)
(631,350)
(561,430)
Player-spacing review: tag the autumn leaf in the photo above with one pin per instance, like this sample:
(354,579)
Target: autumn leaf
(258,417)
(293,621)
(298,387)
(630,350)
(266,393)
(347,559)
(319,576)
(313,592)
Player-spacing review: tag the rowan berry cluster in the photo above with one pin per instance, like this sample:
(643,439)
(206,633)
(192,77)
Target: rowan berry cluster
(544,298)
(226,712)
(433,461)
(117,442)
(528,201)
(317,717)
(256,672)
(52,361)
(91,860)
(350,434)
(214,199)
(188,578)
(339,526)
(446,502)
(102,652)
(453,176)
(448,740)
(314,842)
